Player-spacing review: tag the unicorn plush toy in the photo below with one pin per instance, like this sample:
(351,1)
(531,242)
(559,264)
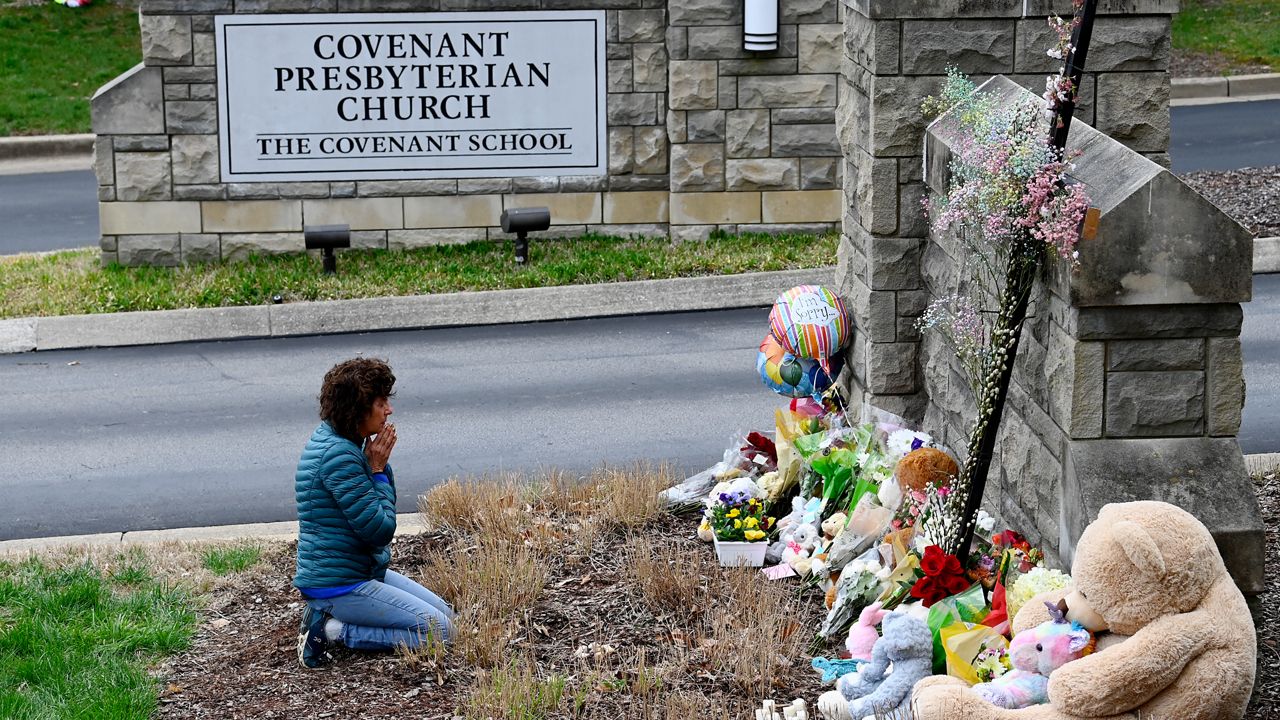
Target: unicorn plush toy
(1036,653)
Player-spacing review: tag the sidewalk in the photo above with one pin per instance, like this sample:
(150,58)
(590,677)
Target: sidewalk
(412,312)
(1227,88)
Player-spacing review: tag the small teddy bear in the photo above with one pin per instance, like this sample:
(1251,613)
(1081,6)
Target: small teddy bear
(908,645)
(799,550)
(1035,653)
(833,525)
(862,635)
(925,467)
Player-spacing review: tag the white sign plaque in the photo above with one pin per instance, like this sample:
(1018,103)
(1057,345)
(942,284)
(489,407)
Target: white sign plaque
(411,95)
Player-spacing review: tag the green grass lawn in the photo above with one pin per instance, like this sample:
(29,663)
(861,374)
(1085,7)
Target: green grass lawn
(1246,31)
(52,60)
(224,560)
(71,282)
(75,639)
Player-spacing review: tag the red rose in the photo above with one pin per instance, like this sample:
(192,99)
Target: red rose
(952,566)
(1011,538)
(928,591)
(955,584)
(934,560)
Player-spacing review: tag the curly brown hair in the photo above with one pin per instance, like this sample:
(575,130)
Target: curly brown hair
(349,391)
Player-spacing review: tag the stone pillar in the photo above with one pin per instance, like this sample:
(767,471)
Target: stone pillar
(895,55)
(1129,380)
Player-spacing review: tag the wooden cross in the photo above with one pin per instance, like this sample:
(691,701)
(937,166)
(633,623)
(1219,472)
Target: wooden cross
(1073,67)
(982,445)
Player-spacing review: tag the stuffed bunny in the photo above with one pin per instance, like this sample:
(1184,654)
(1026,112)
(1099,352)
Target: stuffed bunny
(862,635)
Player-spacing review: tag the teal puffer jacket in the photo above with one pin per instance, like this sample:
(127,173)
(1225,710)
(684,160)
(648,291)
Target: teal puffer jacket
(345,517)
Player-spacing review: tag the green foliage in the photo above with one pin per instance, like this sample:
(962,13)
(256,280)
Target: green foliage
(75,640)
(230,559)
(514,692)
(71,282)
(1246,31)
(52,60)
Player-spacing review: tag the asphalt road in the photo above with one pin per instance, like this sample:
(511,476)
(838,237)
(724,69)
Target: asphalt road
(50,211)
(1228,136)
(59,210)
(210,433)
(1260,341)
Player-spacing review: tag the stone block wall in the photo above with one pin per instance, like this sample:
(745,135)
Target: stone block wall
(897,54)
(752,134)
(162,200)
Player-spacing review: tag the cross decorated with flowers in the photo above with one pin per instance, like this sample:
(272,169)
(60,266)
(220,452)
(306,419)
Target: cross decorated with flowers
(1026,259)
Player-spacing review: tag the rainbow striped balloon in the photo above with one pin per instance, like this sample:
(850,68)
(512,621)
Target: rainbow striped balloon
(810,321)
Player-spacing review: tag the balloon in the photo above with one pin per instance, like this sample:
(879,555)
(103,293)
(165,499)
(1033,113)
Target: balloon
(810,321)
(789,375)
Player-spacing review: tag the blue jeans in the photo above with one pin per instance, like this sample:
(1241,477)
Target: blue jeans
(397,612)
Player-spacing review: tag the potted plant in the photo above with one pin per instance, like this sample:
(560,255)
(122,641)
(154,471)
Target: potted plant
(741,529)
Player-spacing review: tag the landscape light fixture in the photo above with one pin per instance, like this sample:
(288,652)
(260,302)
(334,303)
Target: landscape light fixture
(326,239)
(523,221)
(760,25)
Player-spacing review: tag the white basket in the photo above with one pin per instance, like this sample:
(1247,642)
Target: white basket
(745,554)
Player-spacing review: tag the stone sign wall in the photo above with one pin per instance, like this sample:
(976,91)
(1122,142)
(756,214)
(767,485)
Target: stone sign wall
(701,135)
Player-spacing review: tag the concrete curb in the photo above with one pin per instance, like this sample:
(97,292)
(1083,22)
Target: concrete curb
(491,307)
(40,147)
(1266,255)
(406,524)
(1262,463)
(1226,86)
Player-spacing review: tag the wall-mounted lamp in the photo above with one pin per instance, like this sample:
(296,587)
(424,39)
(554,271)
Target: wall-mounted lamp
(327,238)
(760,25)
(523,221)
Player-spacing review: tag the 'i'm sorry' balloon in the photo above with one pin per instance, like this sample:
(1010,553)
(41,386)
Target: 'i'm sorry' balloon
(810,321)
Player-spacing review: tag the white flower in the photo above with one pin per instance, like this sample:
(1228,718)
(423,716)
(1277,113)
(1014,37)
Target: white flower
(986,523)
(1075,255)
(900,441)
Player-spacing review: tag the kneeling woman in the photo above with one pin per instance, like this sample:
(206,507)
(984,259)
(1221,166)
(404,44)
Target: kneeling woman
(346,497)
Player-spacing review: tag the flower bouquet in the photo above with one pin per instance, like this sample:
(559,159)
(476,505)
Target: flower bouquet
(741,529)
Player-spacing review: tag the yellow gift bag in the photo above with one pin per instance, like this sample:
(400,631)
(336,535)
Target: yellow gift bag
(962,642)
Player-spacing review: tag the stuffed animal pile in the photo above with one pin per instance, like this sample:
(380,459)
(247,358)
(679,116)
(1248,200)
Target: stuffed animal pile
(1181,645)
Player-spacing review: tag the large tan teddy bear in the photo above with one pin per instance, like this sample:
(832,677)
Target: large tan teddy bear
(1149,571)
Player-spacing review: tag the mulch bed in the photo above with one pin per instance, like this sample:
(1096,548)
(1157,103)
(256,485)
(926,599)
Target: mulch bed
(1188,64)
(242,662)
(1250,195)
(243,665)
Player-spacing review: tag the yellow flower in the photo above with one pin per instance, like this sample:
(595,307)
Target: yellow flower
(753,535)
(751,522)
(737,524)
(733,513)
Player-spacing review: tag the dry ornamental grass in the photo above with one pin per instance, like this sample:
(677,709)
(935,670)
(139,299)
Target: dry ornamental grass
(576,598)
